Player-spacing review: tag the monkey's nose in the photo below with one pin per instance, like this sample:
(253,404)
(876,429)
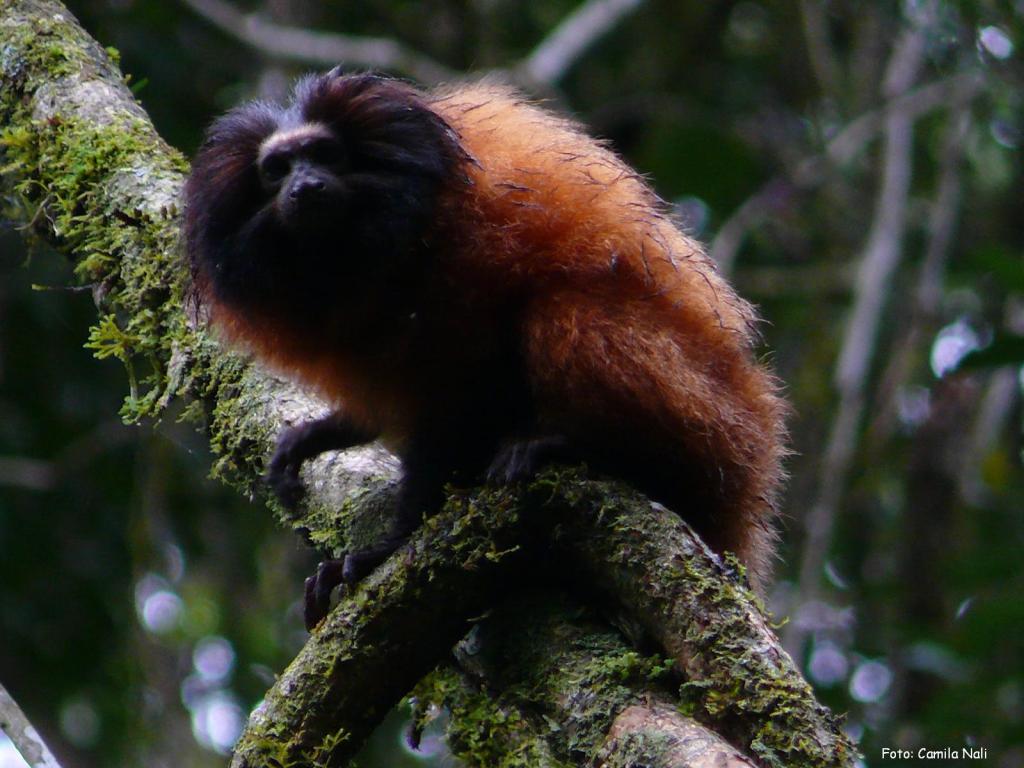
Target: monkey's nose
(303,189)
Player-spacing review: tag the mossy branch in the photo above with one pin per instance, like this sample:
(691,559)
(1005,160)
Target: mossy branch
(699,609)
(387,634)
(567,675)
(82,168)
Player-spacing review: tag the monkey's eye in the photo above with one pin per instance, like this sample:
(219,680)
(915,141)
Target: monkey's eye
(274,167)
(327,152)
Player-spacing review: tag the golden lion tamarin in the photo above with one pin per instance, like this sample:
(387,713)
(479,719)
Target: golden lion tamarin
(479,284)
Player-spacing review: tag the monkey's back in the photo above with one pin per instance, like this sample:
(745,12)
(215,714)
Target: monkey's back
(552,200)
(633,345)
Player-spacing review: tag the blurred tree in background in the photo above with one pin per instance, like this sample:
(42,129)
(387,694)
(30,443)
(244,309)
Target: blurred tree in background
(854,166)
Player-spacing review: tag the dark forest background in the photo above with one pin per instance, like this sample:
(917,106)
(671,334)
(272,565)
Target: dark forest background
(855,167)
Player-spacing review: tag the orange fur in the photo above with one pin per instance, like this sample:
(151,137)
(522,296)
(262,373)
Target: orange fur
(629,328)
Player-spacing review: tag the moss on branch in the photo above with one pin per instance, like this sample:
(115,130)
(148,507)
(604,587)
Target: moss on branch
(699,608)
(83,169)
(566,668)
(387,634)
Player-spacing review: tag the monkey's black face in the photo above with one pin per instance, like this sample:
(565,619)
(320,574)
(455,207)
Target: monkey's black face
(303,205)
(304,171)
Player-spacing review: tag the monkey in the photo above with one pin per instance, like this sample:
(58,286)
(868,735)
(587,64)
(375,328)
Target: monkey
(473,280)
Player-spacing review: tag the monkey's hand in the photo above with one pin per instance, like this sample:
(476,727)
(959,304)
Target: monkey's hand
(420,492)
(305,441)
(349,569)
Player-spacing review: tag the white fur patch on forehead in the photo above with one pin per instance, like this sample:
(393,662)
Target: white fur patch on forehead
(280,138)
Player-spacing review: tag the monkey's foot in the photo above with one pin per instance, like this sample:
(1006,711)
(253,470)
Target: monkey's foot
(522,459)
(350,569)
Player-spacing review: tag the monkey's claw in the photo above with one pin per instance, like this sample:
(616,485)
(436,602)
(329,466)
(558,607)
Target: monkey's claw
(358,565)
(283,472)
(286,485)
(349,569)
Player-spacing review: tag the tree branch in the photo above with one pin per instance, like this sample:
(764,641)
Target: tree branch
(644,558)
(648,560)
(928,293)
(23,735)
(484,727)
(814,16)
(840,151)
(525,679)
(372,649)
(682,741)
(555,55)
(323,49)
(545,66)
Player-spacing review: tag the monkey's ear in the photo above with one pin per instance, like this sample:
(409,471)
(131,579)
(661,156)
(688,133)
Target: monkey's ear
(338,71)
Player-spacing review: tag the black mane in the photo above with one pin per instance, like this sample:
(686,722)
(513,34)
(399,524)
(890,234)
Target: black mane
(400,152)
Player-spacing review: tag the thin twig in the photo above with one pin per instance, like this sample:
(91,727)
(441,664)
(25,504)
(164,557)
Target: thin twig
(996,410)
(31,474)
(23,735)
(819,50)
(928,294)
(556,54)
(546,65)
(319,48)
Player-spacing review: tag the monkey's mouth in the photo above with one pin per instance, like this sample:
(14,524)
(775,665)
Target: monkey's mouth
(314,212)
